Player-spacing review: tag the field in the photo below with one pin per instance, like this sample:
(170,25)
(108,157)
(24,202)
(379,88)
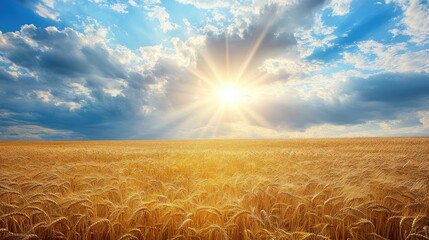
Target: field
(216,189)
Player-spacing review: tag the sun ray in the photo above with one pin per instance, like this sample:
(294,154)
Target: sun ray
(212,66)
(261,77)
(178,116)
(257,118)
(223,93)
(202,76)
(213,122)
(227,56)
(241,115)
(254,49)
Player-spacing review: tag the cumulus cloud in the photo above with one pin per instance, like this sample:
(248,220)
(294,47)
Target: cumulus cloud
(269,35)
(161,15)
(358,100)
(233,54)
(69,80)
(61,83)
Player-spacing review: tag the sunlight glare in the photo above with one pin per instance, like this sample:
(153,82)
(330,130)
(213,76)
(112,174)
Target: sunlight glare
(230,94)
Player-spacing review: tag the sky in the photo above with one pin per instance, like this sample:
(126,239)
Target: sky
(192,69)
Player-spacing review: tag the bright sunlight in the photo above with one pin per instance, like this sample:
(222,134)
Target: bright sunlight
(230,94)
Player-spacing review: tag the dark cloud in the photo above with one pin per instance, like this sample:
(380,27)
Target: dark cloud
(379,97)
(392,89)
(5,76)
(73,73)
(270,35)
(59,52)
(64,77)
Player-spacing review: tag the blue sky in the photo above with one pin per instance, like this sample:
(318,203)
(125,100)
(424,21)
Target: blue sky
(153,69)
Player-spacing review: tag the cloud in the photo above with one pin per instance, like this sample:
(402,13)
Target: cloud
(414,19)
(119,7)
(207,4)
(358,30)
(142,3)
(57,82)
(284,68)
(49,3)
(340,7)
(46,97)
(358,100)
(372,55)
(269,35)
(45,10)
(424,118)
(71,81)
(161,15)
(392,89)
(33,132)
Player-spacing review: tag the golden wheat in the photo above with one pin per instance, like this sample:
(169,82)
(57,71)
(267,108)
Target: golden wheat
(216,189)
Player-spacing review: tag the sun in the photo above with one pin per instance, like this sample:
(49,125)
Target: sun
(230,94)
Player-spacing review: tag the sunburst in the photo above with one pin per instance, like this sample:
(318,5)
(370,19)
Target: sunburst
(223,94)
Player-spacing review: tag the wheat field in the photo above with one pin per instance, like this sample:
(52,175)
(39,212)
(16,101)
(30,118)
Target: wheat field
(216,189)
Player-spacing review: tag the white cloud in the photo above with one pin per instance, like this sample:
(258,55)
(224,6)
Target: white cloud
(151,1)
(186,51)
(46,12)
(80,89)
(424,118)
(236,6)
(319,28)
(319,36)
(218,17)
(288,66)
(116,88)
(49,3)
(151,54)
(340,7)
(141,3)
(44,96)
(189,27)
(161,14)
(114,92)
(207,4)
(208,28)
(415,19)
(47,97)
(119,7)
(147,110)
(133,3)
(5,113)
(95,32)
(393,58)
